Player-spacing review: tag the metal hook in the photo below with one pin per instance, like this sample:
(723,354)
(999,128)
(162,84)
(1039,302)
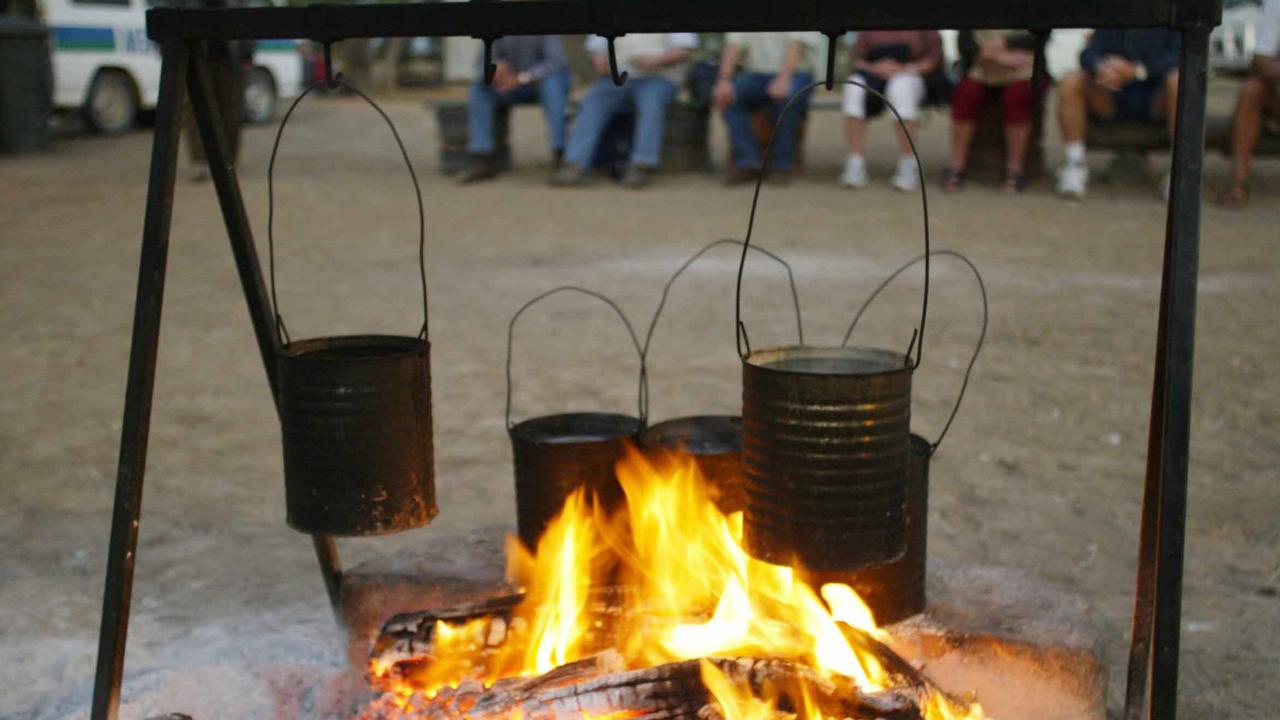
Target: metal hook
(831,60)
(331,80)
(618,78)
(490,68)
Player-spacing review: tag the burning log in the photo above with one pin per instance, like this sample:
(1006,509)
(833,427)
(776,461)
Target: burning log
(598,686)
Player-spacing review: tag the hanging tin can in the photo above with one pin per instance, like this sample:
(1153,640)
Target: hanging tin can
(826,439)
(714,441)
(355,412)
(554,455)
(896,590)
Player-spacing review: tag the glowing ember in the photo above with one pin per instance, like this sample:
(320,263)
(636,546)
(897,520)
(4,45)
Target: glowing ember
(689,592)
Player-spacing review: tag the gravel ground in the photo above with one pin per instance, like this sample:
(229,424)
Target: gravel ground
(1042,470)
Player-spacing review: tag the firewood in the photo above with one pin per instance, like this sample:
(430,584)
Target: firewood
(673,691)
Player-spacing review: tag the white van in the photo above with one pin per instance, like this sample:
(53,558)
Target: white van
(105,67)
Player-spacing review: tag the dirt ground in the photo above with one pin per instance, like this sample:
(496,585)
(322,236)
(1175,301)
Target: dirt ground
(1043,468)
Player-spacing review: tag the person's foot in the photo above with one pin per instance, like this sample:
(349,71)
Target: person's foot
(952,180)
(557,159)
(907,177)
(1014,182)
(637,176)
(855,173)
(1235,197)
(740,176)
(1073,180)
(478,169)
(570,175)
(200,173)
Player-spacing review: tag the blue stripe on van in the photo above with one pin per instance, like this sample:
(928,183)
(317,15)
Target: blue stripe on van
(84,38)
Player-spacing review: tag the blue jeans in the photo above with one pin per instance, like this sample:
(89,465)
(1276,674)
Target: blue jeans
(750,92)
(552,92)
(648,97)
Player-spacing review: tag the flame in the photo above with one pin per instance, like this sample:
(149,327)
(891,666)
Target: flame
(689,592)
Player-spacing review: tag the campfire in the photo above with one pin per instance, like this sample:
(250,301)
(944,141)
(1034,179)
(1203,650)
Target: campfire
(650,610)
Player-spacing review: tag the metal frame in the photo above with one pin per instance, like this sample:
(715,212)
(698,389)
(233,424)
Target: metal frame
(182,34)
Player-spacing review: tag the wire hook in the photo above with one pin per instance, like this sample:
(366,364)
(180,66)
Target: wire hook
(618,78)
(490,68)
(831,60)
(331,80)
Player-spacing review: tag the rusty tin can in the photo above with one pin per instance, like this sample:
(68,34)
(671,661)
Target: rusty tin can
(715,444)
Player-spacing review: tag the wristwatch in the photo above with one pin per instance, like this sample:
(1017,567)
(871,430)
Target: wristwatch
(524,78)
(1140,72)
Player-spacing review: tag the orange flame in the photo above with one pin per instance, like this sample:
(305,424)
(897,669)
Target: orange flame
(690,592)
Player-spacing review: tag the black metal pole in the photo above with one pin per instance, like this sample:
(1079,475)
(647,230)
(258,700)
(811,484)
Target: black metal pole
(122,552)
(222,170)
(1171,406)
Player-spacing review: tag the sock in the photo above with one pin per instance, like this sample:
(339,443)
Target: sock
(1075,153)
(855,157)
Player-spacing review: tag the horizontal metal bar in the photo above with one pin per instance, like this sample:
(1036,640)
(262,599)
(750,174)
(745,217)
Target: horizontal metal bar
(617,17)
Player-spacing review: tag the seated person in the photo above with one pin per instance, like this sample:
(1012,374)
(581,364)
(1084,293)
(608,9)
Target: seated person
(774,67)
(1259,102)
(895,64)
(530,69)
(997,63)
(1128,75)
(656,64)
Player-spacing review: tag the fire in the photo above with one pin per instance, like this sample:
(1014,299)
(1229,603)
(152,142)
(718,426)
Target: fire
(688,591)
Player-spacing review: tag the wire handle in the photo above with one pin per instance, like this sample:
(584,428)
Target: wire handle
(643,391)
(982,335)
(337,81)
(741,339)
(618,77)
(791,280)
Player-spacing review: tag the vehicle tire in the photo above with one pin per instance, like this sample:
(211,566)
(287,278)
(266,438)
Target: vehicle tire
(260,96)
(112,104)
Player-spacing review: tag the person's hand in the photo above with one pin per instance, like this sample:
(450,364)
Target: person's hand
(723,95)
(993,48)
(504,78)
(647,63)
(1017,59)
(886,68)
(1114,72)
(779,87)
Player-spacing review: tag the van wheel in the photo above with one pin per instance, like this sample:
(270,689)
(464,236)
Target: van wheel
(112,105)
(260,97)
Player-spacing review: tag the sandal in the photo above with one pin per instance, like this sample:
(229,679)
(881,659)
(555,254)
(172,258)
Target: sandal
(1235,197)
(1014,183)
(952,179)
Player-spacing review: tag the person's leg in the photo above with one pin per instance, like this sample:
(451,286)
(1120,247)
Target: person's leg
(966,104)
(1016,106)
(651,96)
(598,106)
(749,90)
(1246,129)
(905,92)
(553,96)
(855,113)
(1166,102)
(1076,96)
(787,127)
(482,104)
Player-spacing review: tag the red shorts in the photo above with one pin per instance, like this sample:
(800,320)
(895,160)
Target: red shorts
(970,95)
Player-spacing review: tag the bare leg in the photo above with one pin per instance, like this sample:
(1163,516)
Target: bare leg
(962,132)
(1016,139)
(1073,106)
(903,144)
(1167,106)
(1247,126)
(855,130)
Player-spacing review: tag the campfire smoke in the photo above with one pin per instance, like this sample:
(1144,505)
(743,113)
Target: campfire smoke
(654,610)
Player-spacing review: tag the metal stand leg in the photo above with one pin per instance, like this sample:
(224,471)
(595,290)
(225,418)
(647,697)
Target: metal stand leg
(142,370)
(223,172)
(1158,607)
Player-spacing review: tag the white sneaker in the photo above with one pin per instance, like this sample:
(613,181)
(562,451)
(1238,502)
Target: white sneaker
(1073,180)
(855,172)
(907,177)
